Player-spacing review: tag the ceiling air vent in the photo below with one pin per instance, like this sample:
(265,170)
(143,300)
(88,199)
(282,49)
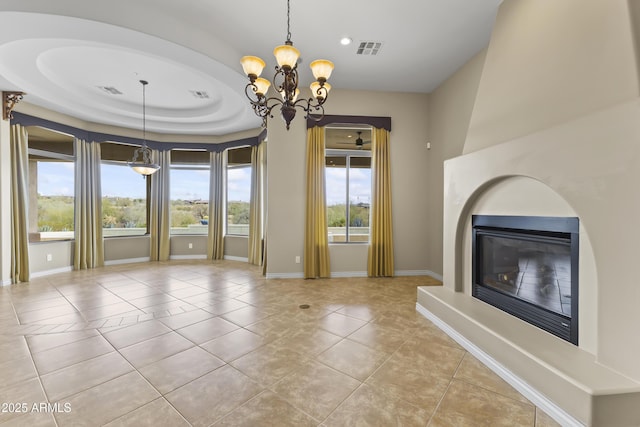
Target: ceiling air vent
(200,94)
(369,48)
(110,90)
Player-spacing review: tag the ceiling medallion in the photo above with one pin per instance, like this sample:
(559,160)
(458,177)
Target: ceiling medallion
(285,81)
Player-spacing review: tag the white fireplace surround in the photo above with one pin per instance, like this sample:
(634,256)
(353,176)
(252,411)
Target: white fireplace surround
(589,168)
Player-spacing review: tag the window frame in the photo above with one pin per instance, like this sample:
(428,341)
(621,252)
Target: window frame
(71,158)
(347,154)
(188,166)
(124,163)
(226,197)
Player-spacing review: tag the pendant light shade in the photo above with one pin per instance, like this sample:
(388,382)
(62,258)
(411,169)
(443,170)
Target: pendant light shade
(286,55)
(252,65)
(262,86)
(321,69)
(144,168)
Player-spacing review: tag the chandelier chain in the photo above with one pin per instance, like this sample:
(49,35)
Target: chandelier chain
(288,20)
(144,111)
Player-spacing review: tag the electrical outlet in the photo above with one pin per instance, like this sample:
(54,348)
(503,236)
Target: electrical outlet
(298,259)
(190,245)
(49,257)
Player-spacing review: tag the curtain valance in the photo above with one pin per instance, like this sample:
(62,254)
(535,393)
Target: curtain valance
(376,122)
(26,120)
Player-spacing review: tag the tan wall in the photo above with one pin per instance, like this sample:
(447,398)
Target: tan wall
(450,107)
(236,246)
(5,203)
(61,256)
(286,177)
(285,196)
(180,246)
(549,62)
(124,248)
(127,248)
(634,10)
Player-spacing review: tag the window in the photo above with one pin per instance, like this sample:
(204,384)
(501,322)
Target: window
(189,192)
(189,188)
(51,199)
(124,193)
(238,191)
(348,185)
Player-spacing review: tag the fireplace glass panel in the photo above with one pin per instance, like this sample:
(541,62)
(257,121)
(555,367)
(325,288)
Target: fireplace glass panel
(527,266)
(534,271)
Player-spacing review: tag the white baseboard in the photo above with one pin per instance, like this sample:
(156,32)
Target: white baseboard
(343,274)
(285,275)
(5,282)
(336,274)
(418,273)
(127,261)
(188,257)
(49,272)
(236,258)
(538,399)
(435,275)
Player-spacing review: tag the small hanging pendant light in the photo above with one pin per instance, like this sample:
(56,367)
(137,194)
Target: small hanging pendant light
(144,166)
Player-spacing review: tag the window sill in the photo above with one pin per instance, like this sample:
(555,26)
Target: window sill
(348,243)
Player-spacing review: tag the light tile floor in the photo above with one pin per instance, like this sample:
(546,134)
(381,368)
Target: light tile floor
(199,343)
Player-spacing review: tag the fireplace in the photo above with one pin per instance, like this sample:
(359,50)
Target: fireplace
(528,267)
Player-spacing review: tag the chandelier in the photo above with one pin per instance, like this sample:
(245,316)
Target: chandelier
(141,161)
(285,81)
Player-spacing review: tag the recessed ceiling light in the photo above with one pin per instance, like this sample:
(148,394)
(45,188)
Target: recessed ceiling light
(345,41)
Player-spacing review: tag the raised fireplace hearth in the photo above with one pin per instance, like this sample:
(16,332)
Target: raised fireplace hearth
(527,266)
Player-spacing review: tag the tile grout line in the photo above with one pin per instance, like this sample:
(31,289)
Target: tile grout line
(44,391)
(160,394)
(435,410)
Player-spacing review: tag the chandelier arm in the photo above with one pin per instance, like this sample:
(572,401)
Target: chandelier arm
(260,104)
(309,107)
(300,103)
(268,108)
(322,91)
(279,75)
(316,117)
(310,103)
(252,94)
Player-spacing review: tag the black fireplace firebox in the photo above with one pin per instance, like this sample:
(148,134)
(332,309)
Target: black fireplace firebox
(527,266)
